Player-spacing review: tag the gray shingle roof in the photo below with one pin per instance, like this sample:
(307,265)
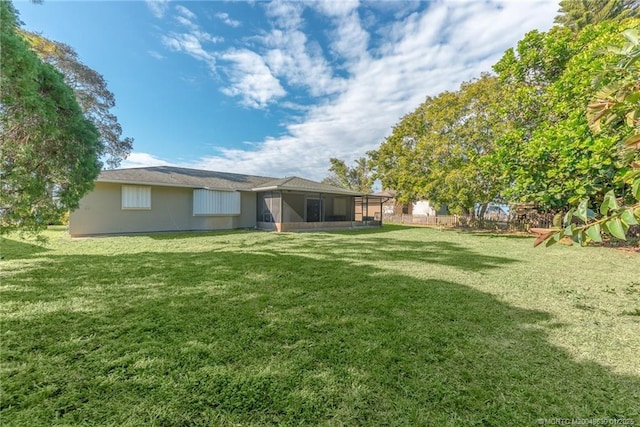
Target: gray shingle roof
(196,178)
(295,183)
(183,177)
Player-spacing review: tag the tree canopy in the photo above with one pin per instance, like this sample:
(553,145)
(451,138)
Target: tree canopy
(356,178)
(441,151)
(92,94)
(48,150)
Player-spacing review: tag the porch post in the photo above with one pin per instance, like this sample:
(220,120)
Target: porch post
(279,224)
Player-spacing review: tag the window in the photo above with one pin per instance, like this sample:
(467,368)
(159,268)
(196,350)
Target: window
(136,197)
(212,202)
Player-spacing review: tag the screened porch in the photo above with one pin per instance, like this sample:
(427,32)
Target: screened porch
(288,210)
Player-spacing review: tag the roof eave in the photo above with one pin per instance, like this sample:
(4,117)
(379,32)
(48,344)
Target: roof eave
(162,184)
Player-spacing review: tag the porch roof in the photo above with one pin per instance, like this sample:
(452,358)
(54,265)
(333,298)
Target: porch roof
(294,183)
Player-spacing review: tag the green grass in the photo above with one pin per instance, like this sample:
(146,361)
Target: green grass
(398,326)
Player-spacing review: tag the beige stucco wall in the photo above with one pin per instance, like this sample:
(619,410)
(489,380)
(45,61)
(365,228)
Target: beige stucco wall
(100,212)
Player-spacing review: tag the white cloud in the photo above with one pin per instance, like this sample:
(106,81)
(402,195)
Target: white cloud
(250,78)
(185,12)
(375,78)
(139,160)
(156,55)
(285,14)
(224,17)
(186,22)
(300,62)
(158,7)
(337,8)
(191,44)
(423,54)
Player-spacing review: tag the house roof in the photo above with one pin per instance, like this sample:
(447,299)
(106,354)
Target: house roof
(387,193)
(294,183)
(182,177)
(195,178)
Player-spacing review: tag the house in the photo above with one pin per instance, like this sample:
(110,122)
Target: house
(164,198)
(392,207)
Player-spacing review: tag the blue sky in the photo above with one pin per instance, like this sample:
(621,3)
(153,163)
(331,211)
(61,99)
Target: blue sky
(277,88)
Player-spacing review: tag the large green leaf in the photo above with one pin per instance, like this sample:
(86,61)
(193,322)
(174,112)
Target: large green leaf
(609,203)
(616,229)
(568,216)
(593,232)
(628,218)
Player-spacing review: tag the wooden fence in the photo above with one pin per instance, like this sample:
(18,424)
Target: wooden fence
(433,220)
(508,224)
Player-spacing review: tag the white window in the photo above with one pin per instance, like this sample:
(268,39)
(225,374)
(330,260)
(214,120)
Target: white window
(136,197)
(212,202)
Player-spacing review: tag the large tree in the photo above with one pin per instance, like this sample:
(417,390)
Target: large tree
(357,177)
(443,150)
(554,159)
(48,150)
(92,94)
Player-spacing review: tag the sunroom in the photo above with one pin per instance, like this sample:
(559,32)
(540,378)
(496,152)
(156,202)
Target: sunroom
(297,204)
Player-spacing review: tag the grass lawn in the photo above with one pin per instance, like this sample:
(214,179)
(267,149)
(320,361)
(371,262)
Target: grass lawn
(398,326)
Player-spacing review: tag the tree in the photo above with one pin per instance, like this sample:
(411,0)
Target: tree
(91,92)
(617,106)
(48,149)
(356,178)
(553,158)
(577,14)
(442,152)
(395,164)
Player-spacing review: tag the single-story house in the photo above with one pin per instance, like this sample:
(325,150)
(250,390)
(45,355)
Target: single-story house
(164,198)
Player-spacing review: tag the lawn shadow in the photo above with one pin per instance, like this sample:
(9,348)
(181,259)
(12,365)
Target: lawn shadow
(393,249)
(19,249)
(386,228)
(179,235)
(228,338)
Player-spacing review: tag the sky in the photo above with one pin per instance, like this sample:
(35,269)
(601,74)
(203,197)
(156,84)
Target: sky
(278,88)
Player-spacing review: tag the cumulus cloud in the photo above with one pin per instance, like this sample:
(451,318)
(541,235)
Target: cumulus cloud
(250,78)
(224,17)
(190,44)
(158,7)
(183,11)
(192,41)
(285,14)
(140,160)
(299,61)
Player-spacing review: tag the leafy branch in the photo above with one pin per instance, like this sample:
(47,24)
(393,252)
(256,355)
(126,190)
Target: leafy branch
(618,102)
